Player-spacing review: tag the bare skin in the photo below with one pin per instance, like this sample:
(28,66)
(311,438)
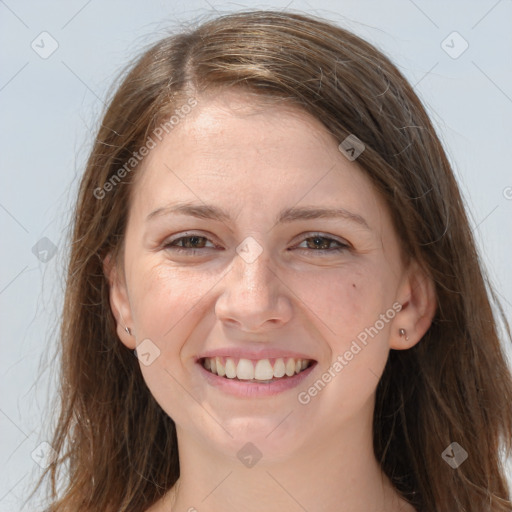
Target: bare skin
(299,294)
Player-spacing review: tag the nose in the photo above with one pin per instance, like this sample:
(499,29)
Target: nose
(253,298)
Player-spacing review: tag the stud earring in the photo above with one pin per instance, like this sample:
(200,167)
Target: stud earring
(127,329)
(403,332)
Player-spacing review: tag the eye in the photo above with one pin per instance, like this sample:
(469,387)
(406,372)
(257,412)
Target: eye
(322,244)
(190,244)
(317,243)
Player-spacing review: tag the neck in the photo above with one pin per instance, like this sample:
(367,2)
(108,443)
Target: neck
(335,471)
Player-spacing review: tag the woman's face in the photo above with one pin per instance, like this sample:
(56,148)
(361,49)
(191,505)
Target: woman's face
(228,255)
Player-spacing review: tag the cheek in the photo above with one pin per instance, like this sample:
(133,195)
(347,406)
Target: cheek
(165,298)
(166,307)
(345,299)
(355,306)
(358,346)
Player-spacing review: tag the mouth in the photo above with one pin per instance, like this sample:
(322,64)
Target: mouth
(255,377)
(260,371)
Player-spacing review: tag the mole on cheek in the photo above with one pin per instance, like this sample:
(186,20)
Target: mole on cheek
(353,285)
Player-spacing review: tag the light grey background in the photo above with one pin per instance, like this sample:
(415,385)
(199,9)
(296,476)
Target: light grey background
(51,106)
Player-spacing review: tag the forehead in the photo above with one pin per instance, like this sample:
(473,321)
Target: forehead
(232,124)
(247,154)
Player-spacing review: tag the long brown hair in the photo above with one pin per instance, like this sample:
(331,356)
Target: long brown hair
(117,448)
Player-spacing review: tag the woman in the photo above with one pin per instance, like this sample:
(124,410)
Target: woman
(269,223)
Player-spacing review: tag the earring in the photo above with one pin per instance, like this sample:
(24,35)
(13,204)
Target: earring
(403,332)
(127,329)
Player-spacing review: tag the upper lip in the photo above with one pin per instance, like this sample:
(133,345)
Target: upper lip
(244,353)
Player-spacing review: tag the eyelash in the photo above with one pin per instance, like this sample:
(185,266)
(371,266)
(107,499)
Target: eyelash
(193,251)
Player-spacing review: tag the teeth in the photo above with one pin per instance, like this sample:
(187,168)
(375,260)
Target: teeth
(230,368)
(260,370)
(263,370)
(221,371)
(245,369)
(279,368)
(290,367)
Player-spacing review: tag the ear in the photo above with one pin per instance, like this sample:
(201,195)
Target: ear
(418,299)
(119,301)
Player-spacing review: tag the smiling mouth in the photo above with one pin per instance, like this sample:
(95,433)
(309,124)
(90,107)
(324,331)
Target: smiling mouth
(262,371)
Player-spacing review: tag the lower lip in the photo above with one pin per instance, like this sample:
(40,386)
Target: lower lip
(247,389)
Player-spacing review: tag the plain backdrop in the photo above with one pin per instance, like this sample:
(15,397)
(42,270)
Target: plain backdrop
(58,60)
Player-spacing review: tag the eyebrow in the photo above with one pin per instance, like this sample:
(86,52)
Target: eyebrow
(205,211)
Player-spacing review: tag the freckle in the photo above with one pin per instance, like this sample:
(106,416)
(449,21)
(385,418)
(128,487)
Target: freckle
(353,285)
